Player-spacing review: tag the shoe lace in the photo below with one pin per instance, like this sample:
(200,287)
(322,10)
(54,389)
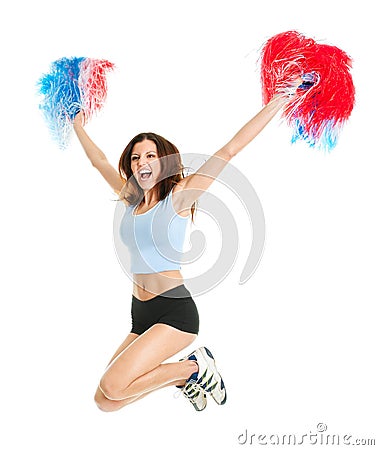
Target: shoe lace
(183,390)
(178,393)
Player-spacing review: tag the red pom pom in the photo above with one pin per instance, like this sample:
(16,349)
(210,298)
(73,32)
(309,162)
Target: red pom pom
(93,84)
(325,100)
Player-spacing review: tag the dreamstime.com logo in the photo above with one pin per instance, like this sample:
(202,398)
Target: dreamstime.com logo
(319,437)
(218,211)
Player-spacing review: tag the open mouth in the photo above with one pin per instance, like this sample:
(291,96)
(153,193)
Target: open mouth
(145,174)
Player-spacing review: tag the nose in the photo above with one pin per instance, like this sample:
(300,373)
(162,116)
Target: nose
(141,163)
(142,167)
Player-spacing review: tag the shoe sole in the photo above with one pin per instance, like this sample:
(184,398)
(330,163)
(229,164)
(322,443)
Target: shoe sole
(209,358)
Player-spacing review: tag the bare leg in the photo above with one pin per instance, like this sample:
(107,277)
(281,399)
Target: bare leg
(164,374)
(129,339)
(138,370)
(101,401)
(107,405)
(110,405)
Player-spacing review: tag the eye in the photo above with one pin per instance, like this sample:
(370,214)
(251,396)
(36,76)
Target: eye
(134,158)
(151,155)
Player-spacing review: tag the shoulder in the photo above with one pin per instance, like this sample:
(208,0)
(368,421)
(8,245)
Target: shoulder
(122,199)
(127,195)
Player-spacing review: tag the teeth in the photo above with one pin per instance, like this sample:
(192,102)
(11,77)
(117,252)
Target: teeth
(144,171)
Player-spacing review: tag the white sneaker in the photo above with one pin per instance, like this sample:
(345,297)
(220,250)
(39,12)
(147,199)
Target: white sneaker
(195,395)
(207,378)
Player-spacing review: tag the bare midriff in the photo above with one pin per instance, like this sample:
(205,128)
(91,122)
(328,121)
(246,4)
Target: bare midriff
(149,285)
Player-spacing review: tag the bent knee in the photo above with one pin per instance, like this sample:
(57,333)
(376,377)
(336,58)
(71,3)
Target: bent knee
(104,404)
(111,389)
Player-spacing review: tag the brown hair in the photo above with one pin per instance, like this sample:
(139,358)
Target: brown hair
(171,171)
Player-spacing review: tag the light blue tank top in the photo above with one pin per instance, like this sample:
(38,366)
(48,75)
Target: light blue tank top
(155,238)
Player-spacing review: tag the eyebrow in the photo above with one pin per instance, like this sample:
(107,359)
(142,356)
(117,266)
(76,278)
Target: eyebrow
(149,151)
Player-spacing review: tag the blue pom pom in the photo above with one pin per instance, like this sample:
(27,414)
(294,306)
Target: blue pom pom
(61,97)
(72,85)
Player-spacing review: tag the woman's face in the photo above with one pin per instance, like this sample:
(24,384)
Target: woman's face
(145,164)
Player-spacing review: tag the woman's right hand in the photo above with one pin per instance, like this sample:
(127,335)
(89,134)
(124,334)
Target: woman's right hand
(79,119)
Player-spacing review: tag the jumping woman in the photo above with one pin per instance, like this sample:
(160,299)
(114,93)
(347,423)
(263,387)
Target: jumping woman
(150,183)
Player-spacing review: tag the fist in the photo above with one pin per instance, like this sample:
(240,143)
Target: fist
(79,119)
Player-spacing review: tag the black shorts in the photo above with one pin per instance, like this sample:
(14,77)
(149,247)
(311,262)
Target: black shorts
(174,307)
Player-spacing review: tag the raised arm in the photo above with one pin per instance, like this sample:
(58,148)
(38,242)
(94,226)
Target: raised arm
(97,157)
(249,131)
(194,185)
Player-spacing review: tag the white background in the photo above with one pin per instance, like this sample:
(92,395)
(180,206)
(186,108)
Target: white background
(297,344)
